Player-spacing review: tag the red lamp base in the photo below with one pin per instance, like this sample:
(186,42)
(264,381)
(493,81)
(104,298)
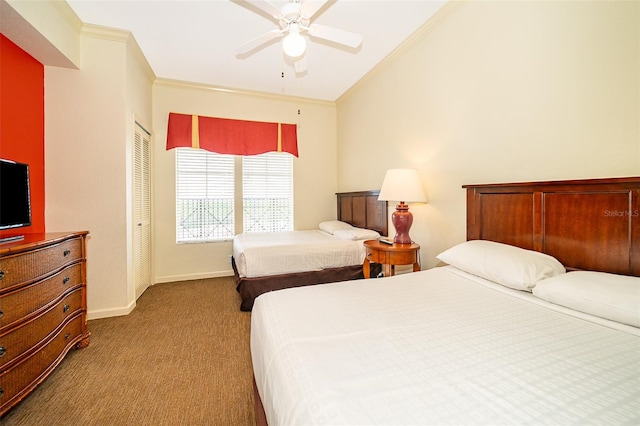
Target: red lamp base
(402,220)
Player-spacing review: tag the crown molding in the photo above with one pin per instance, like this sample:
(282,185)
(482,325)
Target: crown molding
(220,89)
(106,33)
(120,36)
(134,47)
(69,15)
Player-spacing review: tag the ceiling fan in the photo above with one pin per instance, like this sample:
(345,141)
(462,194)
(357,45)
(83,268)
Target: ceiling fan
(294,19)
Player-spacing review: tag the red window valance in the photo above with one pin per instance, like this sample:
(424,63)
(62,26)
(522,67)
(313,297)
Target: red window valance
(226,136)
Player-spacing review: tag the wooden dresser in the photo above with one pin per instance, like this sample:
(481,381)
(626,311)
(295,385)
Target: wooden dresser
(43,309)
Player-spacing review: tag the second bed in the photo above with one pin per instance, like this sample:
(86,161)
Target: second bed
(273,261)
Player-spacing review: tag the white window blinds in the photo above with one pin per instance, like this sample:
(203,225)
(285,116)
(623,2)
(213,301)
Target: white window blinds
(267,188)
(206,191)
(204,196)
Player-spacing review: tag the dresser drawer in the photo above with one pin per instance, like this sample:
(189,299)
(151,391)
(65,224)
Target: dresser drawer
(24,267)
(17,341)
(17,304)
(25,376)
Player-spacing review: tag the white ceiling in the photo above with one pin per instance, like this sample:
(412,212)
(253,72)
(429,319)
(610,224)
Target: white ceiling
(196,41)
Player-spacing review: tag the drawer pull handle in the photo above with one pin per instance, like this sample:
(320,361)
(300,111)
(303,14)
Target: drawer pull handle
(1,391)
(1,313)
(66,336)
(66,308)
(66,280)
(3,351)
(1,274)
(67,253)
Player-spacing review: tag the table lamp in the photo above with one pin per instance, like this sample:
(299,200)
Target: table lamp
(405,186)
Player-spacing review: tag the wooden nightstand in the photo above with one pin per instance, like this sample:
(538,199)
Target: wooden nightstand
(390,255)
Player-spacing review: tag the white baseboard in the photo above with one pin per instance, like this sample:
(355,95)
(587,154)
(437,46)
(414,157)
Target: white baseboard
(189,277)
(115,312)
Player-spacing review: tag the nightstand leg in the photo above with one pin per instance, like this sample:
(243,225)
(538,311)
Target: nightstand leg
(366,268)
(388,270)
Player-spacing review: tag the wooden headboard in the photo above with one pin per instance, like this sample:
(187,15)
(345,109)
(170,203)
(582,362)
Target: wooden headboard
(586,224)
(362,209)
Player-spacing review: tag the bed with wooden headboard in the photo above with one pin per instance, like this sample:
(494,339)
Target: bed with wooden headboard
(447,346)
(360,209)
(589,224)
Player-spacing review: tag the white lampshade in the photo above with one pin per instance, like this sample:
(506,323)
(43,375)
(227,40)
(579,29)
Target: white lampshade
(294,44)
(402,185)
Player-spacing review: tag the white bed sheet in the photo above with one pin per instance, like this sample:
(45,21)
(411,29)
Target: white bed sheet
(435,347)
(264,254)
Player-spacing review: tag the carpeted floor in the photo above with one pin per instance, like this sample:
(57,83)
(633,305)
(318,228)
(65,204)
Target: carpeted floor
(180,358)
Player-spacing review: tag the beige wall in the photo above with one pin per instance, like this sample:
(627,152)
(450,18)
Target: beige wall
(496,92)
(89,115)
(315,180)
(138,107)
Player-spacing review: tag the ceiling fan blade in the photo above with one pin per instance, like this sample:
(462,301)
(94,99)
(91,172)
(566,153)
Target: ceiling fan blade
(300,65)
(336,35)
(310,7)
(258,41)
(266,7)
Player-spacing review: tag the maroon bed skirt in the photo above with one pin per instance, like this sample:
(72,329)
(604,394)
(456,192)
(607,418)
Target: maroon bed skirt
(250,288)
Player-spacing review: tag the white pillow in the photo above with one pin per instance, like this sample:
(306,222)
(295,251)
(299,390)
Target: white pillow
(610,296)
(331,226)
(356,234)
(501,263)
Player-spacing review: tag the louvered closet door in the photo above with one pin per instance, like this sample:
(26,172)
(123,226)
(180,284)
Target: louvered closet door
(141,210)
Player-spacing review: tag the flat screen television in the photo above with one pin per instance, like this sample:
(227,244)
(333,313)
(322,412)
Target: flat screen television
(15,196)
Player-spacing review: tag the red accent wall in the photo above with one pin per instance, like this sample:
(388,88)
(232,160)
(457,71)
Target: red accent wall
(22,122)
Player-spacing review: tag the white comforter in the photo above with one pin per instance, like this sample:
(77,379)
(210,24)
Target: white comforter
(263,254)
(436,347)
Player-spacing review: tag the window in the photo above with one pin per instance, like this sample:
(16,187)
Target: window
(204,196)
(207,194)
(267,192)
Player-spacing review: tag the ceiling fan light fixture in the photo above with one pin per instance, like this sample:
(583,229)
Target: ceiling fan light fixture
(294,44)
